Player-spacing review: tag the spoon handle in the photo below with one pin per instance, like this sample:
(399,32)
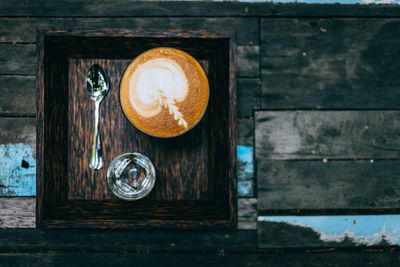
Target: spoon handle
(96,160)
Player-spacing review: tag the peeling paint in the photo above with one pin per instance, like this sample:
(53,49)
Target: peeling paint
(245,171)
(360,229)
(17,170)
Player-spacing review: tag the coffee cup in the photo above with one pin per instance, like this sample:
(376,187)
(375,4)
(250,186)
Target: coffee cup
(164,92)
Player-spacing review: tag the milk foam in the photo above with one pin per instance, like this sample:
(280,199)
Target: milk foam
(155,83)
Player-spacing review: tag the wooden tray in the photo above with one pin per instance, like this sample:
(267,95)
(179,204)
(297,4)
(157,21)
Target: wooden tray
(196,172)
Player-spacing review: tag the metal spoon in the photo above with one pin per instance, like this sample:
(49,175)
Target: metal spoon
(97,86)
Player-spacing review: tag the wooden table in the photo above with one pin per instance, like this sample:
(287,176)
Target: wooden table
(318,134)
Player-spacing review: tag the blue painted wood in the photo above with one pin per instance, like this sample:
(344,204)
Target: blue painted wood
(359,229)
(245,171)
(17,170)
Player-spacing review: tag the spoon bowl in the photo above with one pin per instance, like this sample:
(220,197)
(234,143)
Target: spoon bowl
(97,82)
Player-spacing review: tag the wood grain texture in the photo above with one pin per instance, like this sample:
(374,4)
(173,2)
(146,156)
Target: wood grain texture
(245,132)
(248,61)
(126,8)
(78,198)
(330,63)
(17,59)
(247,213)
(220,258)
(187,180)
(17,212)
(286,184)
(17,242)
(20,59)
(51,127)
(126,240)
(24,29)
(17,95)
(17,130)
(327,134)
(249,96)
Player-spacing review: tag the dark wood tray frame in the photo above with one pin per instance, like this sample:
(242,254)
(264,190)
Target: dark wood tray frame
(55,48)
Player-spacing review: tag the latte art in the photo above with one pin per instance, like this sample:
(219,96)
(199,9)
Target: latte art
(164,92)
(158,83)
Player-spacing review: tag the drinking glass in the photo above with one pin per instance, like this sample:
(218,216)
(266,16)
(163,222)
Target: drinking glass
(131,176)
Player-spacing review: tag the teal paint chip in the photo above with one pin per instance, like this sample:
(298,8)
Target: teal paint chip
(17,170)
(245,171)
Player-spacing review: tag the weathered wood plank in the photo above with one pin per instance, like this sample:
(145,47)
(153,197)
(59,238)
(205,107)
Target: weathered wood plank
(327,134)
(248,64)
(221,258)
(24,29)
(17,157)
(247,213)
(126,8)
(245,132)
(328,231)
(249,95)
(284,184)
(17,212)
(330,63)
(18,59)
(17,170)
(18,130)
(21,59)
(17,95)
(125,240)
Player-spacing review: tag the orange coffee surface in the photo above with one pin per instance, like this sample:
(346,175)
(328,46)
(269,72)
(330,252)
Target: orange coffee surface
(164,92)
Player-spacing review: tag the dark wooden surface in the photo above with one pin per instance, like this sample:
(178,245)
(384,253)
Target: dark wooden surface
(199,191)
(245,132)
(17,59)
(327,134)
(221,258)
(17,130)
(187,180)
(305,57)
(77,247)
(125,8)
(331,185)
(249,95)
(330,63)
(17,93)
(20,212)
(20,29)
